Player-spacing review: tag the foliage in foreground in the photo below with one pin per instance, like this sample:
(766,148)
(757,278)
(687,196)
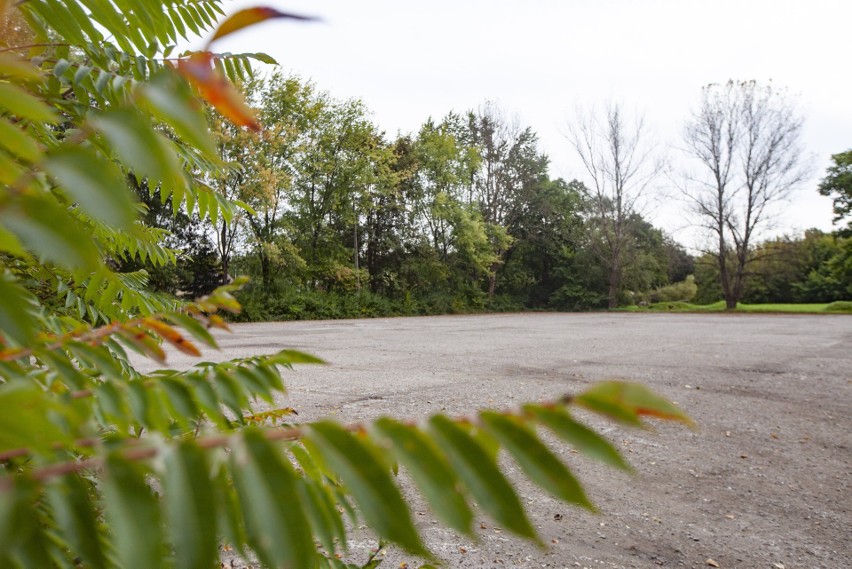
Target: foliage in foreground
(104,466)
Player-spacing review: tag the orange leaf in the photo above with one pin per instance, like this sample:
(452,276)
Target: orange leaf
(173,337)
(216,89)
(250,17)
(216,321)
(140,339)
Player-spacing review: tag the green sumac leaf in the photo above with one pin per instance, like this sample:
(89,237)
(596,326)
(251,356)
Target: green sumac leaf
(208,400)
(93,181)
(61,368)
(177,23)
(102,81)
(430,472)
(625,401)
(180,398)
(535,459)
(172,102)
(21,533)
(253,382)
(17,311)
(11,501)
(481,476)
(145,406)
(190,507)
(579,436)
(24,105)
(188,19)
(133,513)
(289,357)
(113,405)
(305,462)
(370,483)
(82,73)
(28,427)
(99,358)
(11,244)
(263,57)
(10,169)
(275,520)
(18,142)
(139,145)
(319,508)
(76,518)
(231,392)
(230,518)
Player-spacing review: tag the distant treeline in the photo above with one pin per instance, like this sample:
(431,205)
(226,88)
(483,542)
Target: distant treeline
(340,221)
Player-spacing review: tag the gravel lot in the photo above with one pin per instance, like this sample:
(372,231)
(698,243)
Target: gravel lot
(766,481)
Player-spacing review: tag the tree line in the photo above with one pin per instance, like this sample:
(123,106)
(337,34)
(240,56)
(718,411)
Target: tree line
(338,220)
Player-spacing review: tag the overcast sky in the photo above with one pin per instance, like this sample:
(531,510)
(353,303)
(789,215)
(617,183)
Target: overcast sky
(540,59)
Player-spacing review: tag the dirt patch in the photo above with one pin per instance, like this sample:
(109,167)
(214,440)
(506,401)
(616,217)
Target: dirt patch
(765,482)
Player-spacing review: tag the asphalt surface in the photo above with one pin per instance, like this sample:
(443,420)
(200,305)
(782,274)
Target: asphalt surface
(764,482)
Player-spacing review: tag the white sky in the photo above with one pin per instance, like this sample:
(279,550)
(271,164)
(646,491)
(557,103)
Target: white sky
(540,59)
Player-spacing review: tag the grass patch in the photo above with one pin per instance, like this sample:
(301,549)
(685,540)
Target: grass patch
(838,307)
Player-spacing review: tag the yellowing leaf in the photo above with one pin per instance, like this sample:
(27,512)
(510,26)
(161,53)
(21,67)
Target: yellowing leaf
(251,16)
(14,66)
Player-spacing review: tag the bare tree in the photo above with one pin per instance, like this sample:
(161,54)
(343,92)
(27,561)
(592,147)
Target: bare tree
(745,138)
(622,165)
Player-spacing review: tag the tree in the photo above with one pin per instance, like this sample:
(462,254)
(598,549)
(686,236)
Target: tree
(546,234)
(104,466)
(509,165)
(196,270)
(837,184)
(745,140)
(622,167)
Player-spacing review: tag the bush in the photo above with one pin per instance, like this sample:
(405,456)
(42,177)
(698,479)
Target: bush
(682,291)
(839,306)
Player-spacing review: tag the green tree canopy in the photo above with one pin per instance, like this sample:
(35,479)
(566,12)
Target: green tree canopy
(837,184)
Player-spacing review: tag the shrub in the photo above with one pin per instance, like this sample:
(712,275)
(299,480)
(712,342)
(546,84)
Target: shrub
(682,291)
(839,306)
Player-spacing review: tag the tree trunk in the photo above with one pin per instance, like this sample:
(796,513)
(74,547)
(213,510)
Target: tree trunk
(492,281)
(265,273)
(614,285)
(225,254)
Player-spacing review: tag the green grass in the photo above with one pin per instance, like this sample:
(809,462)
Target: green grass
(832,308)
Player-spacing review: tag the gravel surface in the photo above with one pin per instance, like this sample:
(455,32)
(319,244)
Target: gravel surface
(766,481)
